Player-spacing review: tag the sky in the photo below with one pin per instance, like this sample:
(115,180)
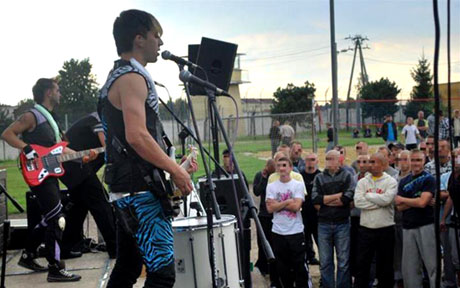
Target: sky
(283,41)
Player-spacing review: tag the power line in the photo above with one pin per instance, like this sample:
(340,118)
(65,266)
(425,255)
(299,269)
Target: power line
(286,55)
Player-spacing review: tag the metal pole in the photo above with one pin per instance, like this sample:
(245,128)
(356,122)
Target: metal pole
(349,84)
(335,102)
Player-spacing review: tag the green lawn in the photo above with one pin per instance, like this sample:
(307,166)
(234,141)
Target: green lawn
(246,150)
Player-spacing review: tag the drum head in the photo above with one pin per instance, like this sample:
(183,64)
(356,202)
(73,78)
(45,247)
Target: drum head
(201,222)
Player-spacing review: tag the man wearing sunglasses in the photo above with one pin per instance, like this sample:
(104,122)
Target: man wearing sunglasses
(284,199)
(415,193)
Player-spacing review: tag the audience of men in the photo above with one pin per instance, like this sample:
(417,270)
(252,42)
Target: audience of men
(377,220)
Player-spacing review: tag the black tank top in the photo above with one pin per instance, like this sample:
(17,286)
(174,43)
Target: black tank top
(125,174)
(42,134)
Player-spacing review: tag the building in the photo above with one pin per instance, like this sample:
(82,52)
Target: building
(455,94)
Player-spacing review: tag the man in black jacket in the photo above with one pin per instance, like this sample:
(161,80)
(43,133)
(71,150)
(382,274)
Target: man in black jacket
(259,189)
(389,130)
(87,193)
(332,193)
(309,213)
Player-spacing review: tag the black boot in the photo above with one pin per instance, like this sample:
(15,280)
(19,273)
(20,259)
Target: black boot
(57,273)
(28,261)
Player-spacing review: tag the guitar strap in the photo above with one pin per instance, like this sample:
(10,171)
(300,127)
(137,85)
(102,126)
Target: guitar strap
(50,120)
(157,179)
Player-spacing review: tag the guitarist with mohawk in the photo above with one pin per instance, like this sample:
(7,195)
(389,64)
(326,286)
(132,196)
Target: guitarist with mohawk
(38,126)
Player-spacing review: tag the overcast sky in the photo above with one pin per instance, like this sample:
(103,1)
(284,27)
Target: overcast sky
(284,41)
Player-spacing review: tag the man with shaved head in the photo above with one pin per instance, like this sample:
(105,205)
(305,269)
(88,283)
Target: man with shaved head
(386,152)
(415,193)
(361,149)
(332,193)
(374,195)
(309,213)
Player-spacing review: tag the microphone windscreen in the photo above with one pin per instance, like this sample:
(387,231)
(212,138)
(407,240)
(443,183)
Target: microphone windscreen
(166,55)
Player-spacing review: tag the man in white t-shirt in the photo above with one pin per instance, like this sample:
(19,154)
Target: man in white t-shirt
(284,199)
(410,133)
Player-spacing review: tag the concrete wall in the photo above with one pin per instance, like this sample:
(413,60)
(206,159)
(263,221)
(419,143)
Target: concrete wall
(7,152)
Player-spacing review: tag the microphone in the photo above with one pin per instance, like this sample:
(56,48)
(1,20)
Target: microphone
(186,76)
(166,55)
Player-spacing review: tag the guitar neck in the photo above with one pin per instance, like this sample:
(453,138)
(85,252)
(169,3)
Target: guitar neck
(78,155)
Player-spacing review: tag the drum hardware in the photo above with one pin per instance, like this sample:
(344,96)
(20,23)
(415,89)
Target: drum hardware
(191,251)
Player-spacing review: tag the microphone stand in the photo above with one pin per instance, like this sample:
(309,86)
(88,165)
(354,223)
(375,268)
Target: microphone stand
(210,194)
(187,130)
(6,233)
(249,202)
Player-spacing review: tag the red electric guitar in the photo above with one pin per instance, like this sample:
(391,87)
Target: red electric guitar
(48,162)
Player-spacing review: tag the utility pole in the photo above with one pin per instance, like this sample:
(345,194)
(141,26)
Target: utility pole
(335,102)
(357,41)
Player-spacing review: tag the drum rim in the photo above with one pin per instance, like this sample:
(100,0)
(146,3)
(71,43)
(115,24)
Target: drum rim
(222,223)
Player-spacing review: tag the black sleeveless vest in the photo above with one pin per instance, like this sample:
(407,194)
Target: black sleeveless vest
(42,134)
(123,174)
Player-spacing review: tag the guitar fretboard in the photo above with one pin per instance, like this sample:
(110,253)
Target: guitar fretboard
(78,155)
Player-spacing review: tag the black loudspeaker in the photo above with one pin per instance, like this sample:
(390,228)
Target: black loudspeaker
(217,58)
(224,194)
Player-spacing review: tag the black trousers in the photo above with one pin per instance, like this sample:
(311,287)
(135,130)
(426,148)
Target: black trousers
(290,259)
(49,203)
(354,246)
(310,222)
(380,242)
(89,196)
(262,263)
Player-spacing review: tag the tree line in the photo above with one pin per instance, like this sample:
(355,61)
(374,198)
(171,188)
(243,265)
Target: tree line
(79,90)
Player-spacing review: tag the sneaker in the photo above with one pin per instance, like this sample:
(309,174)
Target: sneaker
(57,273)
(27,261)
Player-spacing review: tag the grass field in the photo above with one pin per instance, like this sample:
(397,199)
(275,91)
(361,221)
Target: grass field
(250,153)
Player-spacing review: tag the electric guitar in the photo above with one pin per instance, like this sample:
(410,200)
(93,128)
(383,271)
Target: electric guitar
(48,162)
(176,196)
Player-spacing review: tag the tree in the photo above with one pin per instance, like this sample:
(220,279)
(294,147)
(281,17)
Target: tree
(422,90)
(5,119)
(382,89)
(22,107)
(79,90)
(293,99)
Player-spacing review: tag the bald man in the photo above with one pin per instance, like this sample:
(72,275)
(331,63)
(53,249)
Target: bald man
(374,195)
